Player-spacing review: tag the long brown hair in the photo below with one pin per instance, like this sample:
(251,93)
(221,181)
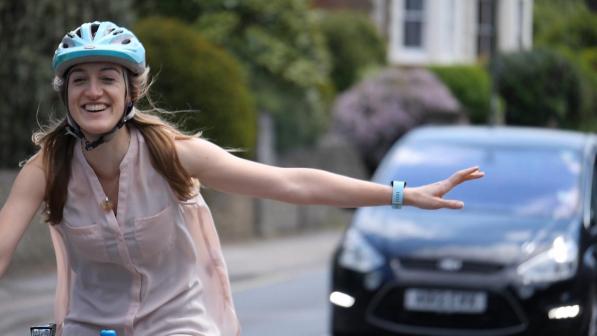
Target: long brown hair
(57,148)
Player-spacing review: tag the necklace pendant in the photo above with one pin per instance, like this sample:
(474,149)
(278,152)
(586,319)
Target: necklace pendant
(107,204)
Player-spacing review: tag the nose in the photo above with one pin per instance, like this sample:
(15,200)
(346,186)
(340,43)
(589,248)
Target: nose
(94,89)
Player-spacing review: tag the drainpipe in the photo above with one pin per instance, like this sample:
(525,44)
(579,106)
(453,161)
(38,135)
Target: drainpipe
(496,116)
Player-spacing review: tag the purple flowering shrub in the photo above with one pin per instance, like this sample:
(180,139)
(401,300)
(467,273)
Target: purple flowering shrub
(376,112)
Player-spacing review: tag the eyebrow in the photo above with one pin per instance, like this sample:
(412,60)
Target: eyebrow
(107,68)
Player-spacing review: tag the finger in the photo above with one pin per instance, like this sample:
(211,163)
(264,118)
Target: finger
(475,175)
(466,174)
(452,204)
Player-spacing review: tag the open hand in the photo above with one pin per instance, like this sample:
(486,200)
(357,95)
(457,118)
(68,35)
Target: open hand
(430,196)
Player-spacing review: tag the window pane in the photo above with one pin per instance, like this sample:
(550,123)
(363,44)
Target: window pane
(414,5)
(412,34)
(413,23)
(485,11)
(485,27)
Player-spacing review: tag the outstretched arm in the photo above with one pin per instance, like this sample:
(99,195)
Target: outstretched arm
(223,171)
(24,200)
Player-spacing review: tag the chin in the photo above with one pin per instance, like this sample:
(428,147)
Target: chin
(97,128)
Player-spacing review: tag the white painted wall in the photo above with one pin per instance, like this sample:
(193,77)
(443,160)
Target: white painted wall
(450,30)
(515,25)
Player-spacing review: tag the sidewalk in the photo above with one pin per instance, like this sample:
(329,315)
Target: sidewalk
(28,300)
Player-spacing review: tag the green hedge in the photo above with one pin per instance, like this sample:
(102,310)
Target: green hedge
(193,74)
(567,24)
(471,85)
(585,60)
(354,44)
(539,88)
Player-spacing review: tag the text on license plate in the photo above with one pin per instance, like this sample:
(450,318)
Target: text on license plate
(445,301)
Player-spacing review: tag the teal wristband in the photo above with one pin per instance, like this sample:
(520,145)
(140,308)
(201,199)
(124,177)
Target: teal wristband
(398,194)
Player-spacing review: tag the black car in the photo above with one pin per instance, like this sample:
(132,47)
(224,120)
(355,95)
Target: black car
(519,259)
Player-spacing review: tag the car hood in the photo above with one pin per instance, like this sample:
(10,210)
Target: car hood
(489,238)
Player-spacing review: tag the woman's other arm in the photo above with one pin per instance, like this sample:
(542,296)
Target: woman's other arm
(24,200)
(223,171)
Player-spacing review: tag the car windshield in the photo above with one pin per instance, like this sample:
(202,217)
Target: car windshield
(519,181)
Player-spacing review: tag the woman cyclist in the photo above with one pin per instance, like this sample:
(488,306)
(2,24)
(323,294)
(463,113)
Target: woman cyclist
(135,243)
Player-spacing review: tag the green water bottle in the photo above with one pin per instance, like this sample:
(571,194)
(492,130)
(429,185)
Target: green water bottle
(108,332)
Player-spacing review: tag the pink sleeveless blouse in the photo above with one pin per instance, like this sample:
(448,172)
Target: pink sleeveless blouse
(156,268)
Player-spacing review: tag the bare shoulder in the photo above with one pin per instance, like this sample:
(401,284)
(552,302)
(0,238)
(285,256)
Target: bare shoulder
(31,180)
(36,161)
(193,153)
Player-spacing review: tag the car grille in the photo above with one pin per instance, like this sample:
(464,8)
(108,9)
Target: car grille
(387,311)
(421,264)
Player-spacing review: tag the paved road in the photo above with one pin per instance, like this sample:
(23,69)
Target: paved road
(295,306)
(28,300)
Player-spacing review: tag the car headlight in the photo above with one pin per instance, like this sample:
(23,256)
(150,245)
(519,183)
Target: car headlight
(358,255)
(559,262)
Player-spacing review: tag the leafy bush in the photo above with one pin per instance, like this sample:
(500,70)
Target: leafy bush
(376,112)
(355,46)
(539,87)
(196,75)
(286,58)
(570,27)
(471,85)
(585,61)
(564,23)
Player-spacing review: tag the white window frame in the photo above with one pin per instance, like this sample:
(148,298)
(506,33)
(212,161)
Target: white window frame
(414,16)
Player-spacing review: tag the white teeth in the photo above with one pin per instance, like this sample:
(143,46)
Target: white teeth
(95,107)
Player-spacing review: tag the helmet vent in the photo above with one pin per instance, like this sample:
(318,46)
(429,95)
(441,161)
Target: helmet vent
(117,32)
(94,28)
(65,45)
(78,32)
(127,41)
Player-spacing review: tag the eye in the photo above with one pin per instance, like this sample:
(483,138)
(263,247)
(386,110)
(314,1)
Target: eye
(108,79)
(77,80)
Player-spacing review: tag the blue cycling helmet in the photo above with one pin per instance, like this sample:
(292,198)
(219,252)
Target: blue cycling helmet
(99,42)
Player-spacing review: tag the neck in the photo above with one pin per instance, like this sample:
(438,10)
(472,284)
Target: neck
(105,159)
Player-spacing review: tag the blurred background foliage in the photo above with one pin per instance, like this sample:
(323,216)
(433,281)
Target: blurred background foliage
(195,75)
(29,33)
(568,28)
(283,52)
(540,88)
(552,85)
(230,60)
(346,33)
(470,84)
(377,111)
(287,61)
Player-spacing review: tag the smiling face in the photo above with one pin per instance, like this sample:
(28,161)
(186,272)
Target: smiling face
(96,96)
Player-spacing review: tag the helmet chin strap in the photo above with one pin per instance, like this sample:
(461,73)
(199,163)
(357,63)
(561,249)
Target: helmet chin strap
(73,129)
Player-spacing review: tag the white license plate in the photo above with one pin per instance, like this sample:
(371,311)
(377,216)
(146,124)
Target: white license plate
(445,301)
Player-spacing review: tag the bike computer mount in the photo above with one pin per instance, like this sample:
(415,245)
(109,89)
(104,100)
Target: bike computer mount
(44,330)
